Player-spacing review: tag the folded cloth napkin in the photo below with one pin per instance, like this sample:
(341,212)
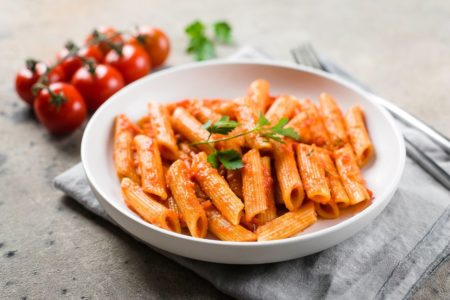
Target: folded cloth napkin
(390,258)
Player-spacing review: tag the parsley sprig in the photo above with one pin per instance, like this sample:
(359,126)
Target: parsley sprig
(201,46)
(231,159)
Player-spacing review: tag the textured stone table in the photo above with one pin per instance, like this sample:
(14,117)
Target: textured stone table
(52,248)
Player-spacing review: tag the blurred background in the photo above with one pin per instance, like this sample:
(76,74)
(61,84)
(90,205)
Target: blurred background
(401,49)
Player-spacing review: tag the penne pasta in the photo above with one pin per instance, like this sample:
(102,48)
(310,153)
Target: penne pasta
(123,148)
(327,211)
(300,123)
(234,179)
(218,166)
(358,135)
(316,128)
(271,212)
(162,130)
(147,208)
(351,177)
(190,128)
(288,177)
(333,120)
(288,224)
(247,116)
(337,190)
(183,192)
(283,107)
(203,113)
(258,92)
(312,174)
(226,231)
(150,166)
(217,189)
(255,198)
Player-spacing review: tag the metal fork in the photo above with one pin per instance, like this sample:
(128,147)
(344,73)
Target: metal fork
(307,56)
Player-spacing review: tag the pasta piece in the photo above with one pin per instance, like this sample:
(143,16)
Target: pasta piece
(288,177)
(327,211)
(358,135)
(145,126)
(123,148)
(313,174)
(203,113)
(319,135)
(283,107)
(182,189)
(234,179)
(300,123)
(337,190)
(217,189)
(247,116)
(235,144)
(190,128)
(255,198)
(258,92)
(160,121)
(271,212)
(333,120)
(147,208)
(351,177)
(224,230)
(150,166)
(220,106)
(288,224)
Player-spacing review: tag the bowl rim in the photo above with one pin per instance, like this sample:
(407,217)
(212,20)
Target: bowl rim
(382,198)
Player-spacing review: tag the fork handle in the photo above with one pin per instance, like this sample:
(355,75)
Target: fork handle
(410,120)
(396,111)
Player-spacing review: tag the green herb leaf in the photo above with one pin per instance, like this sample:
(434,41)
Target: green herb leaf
(212,159)
(262,120)
(272,136)
(230,159)
(222,32)
(195,29)
(223,126)
(207,124)
(287,132)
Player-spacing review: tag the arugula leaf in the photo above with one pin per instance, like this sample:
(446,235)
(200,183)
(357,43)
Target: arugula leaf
(230,159)
(223,126)
(212,159)
(222,32)
(262,120)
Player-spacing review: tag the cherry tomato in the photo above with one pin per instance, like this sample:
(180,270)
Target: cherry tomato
(155,42)
(98,86)
(72,63)
(106,31)
(27,77)
(133,62)
(62,109)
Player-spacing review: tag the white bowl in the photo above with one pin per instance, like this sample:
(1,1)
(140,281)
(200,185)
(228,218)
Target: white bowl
(229,80)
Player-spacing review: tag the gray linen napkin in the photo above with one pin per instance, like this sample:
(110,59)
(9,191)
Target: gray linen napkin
(390,258)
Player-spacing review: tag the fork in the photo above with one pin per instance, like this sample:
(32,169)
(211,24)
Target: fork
(307,56)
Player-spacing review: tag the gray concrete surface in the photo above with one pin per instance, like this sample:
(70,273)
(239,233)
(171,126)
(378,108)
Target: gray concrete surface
(51,248)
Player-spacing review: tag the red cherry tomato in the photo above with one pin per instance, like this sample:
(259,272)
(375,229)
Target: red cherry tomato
(71,64)
(27,77)
(155,42)
(96,88)
(56,74)
(106,31)
(62,110)
(133,63)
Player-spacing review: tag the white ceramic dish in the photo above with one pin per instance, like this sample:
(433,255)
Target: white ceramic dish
(230,80)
